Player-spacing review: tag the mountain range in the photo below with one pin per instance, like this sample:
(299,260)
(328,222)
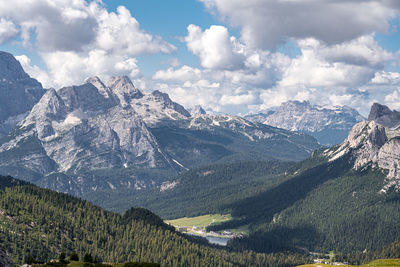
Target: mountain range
(111,136)
(330,125)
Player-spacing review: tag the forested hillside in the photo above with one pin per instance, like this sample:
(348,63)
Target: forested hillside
(43,223)
(210,189)
(323,206)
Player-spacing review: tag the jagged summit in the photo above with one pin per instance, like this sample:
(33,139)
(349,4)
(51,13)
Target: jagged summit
(18,92)
(167,102)
(123,89)
(373,143)
(197,110)
(384,116)
(103,89)
(10,68)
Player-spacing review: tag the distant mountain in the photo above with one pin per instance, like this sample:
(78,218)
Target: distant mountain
(344,198)
(110,136)
(329,125)
(197,110)
(42,223)
(18,92)
(384,116)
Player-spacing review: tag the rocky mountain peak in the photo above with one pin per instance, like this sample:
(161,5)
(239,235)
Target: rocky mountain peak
(197,110)
(103,89)
(18,92)
(384,116)
(124,89)
(295,105)
(377,111)
(368,144)
(86,97)
(167,102)
(10,68)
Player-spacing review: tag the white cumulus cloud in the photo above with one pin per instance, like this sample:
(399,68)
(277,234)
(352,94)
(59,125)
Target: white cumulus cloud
(79,38)
(215,47)
(268,23)
(8,30)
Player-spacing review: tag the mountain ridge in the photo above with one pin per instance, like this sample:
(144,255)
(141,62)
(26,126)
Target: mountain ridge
(108,136)
(329,125)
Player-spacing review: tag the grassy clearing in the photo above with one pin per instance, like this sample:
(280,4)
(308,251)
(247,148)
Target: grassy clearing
(200,221)
(80,264)
(375,263)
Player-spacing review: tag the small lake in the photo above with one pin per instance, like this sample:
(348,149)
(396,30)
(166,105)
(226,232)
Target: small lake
(217,240)
(222,241)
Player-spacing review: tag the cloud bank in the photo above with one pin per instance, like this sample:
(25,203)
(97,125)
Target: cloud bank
(77,39)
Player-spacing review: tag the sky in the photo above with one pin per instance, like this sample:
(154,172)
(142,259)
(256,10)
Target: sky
(229,56)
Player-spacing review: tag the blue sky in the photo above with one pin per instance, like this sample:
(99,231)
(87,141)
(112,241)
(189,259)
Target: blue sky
(230,56)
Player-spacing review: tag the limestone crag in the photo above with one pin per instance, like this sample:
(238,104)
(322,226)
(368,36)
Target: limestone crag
(197,110)
(80,128)
(18,91)
(384,116)
(369,145)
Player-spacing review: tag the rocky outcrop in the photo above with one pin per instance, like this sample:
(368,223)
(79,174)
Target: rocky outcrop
(81,128)
(197,110)
(364,142)
(19,92)
(384,116)
(368,145)
(329,125)
(5,261)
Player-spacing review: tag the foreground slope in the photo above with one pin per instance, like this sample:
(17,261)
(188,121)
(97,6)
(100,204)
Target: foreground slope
(345,198)
(43,223)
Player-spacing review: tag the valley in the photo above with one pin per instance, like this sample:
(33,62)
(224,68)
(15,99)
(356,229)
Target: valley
(198,226)
(131,175)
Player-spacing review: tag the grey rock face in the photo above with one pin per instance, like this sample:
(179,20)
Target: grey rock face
(369,145)
(384,116)
(158,109)
(164,98)
(123,89)
(80,128)
(329,125)
(197,110)
(18,92)
(5,261)
(111,136)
